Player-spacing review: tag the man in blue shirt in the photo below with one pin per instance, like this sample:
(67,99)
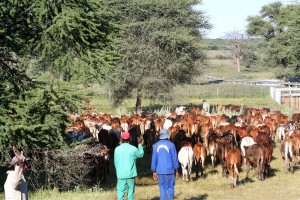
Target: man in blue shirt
(164,164)
(125,163)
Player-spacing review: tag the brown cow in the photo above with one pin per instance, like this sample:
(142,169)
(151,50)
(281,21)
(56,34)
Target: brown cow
(269,151)
(225,143)
(262,137)
(205,128)
(212,146)
(222,151)
(296,144)
(200,156)
(296,117)
(234,163)
(255,157)
(158,123)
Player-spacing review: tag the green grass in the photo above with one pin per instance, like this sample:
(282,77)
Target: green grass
(226,68)
(278,185)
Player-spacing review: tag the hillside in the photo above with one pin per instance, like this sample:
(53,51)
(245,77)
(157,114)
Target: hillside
(221,62)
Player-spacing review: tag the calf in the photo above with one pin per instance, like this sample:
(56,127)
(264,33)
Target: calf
(255,157)
(104,164)
(200,156)
(186,159)
(233,163)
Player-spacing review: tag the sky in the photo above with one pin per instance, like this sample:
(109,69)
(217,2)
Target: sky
(231,15)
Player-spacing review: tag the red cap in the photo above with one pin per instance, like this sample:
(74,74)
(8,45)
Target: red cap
(125,135)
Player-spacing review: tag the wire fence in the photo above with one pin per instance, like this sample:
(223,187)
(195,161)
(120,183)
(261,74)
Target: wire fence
(224,90)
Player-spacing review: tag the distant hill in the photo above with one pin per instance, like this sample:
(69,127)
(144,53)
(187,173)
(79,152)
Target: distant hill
(235,35)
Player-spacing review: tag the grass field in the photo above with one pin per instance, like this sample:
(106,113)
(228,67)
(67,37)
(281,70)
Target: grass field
(278,185)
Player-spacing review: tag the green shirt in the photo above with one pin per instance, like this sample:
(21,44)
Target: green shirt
(124,159)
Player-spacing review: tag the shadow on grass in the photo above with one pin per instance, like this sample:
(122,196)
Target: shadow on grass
(272,172)
(245,181)
(213,171)
(200,177)
(212,82)
(155,198)
(200,197)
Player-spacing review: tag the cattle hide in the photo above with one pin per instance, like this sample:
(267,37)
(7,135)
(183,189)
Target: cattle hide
(234,163)
(286,150)
(200,157)
(186,159)
(255,157)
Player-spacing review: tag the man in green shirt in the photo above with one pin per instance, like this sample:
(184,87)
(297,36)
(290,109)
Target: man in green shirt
(125,163)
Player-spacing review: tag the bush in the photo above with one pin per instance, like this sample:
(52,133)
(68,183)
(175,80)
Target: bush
(79,167)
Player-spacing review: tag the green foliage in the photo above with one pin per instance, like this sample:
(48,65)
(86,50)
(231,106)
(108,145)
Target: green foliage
(249,57)
(71,40)
(161,47)
(280,26)
(36,119)
(76,40)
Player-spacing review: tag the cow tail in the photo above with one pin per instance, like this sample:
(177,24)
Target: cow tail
(235,169)
(190,161)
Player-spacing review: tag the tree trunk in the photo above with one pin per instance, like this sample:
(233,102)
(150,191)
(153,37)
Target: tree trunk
(238,64)
(237,54)
(138,104)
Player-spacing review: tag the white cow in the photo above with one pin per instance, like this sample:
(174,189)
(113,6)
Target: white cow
(186,159)
(281,132)
(287,154)
(125,126)
(167,124)
(205,106)
(180,110)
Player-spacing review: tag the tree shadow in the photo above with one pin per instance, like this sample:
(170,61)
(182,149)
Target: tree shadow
(212,82)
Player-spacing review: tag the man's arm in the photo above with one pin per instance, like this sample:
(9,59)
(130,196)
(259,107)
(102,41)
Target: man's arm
(140,151)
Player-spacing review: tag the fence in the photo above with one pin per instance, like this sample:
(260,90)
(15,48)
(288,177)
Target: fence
(221,90)
(286,96)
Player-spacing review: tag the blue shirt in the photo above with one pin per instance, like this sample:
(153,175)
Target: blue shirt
(164,158)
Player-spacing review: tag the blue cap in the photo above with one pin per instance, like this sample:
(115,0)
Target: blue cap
(164,134)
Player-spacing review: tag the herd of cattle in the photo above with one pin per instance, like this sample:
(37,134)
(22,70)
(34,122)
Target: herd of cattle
(199,136)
